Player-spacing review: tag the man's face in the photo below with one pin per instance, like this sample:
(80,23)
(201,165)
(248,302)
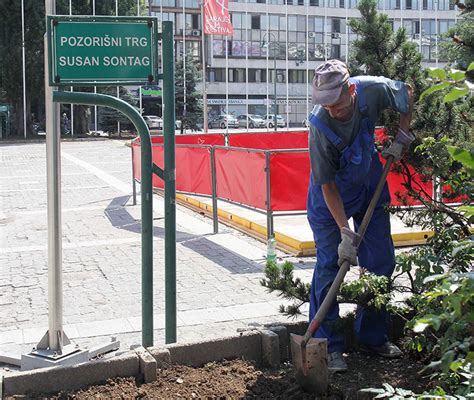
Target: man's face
(343,108)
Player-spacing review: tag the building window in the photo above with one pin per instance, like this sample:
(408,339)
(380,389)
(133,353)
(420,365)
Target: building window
(314,3)
(336,25)
(236,75)
(216,75)
(301,2)
(408,4)
(416,27)
(336,51)
(257,75)
(255,23)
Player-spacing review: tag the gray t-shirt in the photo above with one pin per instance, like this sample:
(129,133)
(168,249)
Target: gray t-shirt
(380,93)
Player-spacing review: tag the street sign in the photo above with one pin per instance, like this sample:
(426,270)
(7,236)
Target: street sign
(151,91)
(102,50)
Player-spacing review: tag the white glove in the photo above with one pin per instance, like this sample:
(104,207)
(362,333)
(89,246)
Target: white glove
(399,145)
(347,250)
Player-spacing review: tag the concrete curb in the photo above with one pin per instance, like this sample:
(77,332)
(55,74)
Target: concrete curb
(267,347)
(55,379)
(140,363)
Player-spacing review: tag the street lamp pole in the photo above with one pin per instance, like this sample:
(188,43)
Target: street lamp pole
(274,45)
(275,89)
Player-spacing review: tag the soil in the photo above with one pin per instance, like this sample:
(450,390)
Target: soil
(240,379)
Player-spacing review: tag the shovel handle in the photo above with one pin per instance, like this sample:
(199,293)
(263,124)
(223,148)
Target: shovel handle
(332,292)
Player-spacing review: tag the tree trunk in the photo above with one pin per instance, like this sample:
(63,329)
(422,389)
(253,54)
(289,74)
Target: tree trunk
(82,117)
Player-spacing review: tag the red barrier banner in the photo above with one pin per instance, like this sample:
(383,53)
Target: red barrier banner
(136,160)
(241,177)
(289,177)
(270,141)
(193,169)
(211,139)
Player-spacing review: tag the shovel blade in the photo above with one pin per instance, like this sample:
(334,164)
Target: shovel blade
(311,368)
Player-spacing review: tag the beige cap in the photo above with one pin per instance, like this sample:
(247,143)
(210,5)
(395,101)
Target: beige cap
(329,79)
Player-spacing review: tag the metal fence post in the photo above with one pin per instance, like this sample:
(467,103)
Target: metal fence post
(270,231)
(215,217)
(170,182)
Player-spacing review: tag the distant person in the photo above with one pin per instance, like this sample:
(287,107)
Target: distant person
(345,169)
(65,124)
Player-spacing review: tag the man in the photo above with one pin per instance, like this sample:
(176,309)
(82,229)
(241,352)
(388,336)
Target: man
(345,169)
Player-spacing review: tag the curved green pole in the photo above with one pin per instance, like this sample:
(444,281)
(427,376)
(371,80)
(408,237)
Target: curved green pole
(146,189)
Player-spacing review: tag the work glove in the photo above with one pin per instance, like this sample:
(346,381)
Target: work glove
(401,142)
(347,249)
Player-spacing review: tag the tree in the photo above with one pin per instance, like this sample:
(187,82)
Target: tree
(459,50)
(380,51)
(108,117)
(193,102)
(11,79)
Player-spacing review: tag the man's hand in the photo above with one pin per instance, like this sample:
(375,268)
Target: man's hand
(402,141)
(347,249)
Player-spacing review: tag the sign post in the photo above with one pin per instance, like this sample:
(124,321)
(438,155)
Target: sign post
(107,51)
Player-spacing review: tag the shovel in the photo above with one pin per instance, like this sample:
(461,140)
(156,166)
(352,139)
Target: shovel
(310,354)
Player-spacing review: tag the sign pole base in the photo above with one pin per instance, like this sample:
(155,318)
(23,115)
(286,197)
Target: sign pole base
(70,354)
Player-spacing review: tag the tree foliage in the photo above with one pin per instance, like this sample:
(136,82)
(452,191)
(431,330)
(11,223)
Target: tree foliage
(193,112)
(459,49)
(11,67)
(379,51)
(109,117)
(11,80)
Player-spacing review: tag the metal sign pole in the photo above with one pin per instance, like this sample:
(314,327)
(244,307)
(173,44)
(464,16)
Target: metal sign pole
(53,158)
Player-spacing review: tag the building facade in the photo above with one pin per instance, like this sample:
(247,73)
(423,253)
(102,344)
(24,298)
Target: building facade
(288,38)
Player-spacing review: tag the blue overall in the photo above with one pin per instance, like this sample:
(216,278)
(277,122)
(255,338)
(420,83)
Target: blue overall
(356,179)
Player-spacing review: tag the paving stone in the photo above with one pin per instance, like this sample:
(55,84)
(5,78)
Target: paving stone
(218,276)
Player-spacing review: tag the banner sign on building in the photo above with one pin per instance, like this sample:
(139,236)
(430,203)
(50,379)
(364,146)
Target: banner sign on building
(217,18)
(102,50)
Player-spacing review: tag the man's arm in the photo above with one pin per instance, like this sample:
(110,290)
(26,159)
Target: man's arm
(405,118)
(334,203)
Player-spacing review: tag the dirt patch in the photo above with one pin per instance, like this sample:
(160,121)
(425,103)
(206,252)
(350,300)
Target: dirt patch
(239,379)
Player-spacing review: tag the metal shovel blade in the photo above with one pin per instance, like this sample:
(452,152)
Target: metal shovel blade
(311,364)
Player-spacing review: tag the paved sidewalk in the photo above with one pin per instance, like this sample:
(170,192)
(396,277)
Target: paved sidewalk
(218,276)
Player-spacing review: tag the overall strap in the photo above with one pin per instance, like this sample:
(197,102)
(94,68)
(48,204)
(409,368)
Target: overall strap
(363,108)
(330,135)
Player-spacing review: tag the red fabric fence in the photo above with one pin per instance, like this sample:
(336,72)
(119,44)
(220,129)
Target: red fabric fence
(240,174)
(270,141)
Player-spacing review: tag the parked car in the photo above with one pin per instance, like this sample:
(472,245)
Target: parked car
(153,121)
(270,121)
(254,121)
(222,121)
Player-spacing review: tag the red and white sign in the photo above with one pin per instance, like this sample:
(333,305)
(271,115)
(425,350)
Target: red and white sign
(217,18)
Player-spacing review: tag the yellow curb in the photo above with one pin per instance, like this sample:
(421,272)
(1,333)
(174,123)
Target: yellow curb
(285,242)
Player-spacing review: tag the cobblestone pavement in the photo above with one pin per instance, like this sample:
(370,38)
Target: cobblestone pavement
(218,275)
